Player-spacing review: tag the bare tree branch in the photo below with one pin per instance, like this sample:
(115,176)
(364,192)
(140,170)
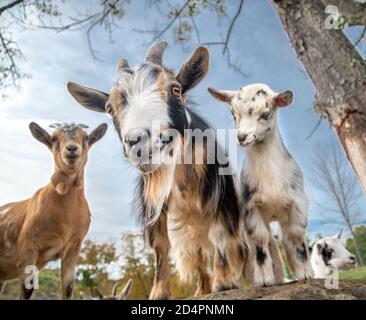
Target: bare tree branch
(182,28)
(171,22)
(231,27)
(106,15)
(315,128)
(361,37)
(10,5)
(13,68)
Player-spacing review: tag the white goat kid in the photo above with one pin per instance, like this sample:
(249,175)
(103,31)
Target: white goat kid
(272,184)
(329,255)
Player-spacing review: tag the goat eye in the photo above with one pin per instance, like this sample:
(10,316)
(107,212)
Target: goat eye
(54,139)
(123,99)
(176,91)
(264,116)
(109,109)
(86,138)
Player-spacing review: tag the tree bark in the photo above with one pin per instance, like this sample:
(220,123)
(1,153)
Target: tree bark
(337,71)
(357,248)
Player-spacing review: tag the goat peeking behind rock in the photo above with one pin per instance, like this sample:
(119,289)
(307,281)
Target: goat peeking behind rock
(272,183)
(330,254)
(53,223)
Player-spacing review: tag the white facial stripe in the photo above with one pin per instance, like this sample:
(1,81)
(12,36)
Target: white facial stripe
(144,102)
(189,118)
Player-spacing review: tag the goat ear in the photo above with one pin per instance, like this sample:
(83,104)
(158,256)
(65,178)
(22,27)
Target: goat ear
(222,95)
(194,70)
(40,134)
(97,134)
(89,98)
(125,292)
(284,99)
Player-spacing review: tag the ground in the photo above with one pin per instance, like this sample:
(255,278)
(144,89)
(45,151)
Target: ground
(304,290)
(351,286)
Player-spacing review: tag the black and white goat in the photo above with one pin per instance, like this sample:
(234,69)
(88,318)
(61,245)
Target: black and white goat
(190,207)
(330,254)
(272,183)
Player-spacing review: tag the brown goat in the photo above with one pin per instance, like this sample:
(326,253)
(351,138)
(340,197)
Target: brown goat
(53,223)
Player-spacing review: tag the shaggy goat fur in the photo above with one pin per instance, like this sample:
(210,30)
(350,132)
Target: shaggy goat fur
(189,207)
(272,184)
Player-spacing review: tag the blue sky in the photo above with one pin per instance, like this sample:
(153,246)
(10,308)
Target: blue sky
(53,59)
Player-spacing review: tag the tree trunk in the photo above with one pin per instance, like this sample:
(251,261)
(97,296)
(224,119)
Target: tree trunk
(357,248)
(337,71)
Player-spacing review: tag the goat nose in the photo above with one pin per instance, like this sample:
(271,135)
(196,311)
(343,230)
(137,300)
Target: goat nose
(72,148)
(242,137)
(353,258)
(136,136)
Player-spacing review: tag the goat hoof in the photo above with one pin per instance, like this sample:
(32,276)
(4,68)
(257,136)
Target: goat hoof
(218,287)
(264,280)
(304,275)
(201,292)
(159,294)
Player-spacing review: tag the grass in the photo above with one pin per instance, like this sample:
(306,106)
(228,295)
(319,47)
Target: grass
(353,274)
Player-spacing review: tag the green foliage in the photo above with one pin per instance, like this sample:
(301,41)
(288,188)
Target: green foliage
(360,235)
(353,274)
(139,265)
(93,265)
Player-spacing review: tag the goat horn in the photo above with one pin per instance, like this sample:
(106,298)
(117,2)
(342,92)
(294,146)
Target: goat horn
(121,64)
(339,235)
(55,125)
(155,53)
(82,126)
(115,287)
(126,290)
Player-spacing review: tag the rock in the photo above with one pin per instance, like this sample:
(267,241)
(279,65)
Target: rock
(304,290)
